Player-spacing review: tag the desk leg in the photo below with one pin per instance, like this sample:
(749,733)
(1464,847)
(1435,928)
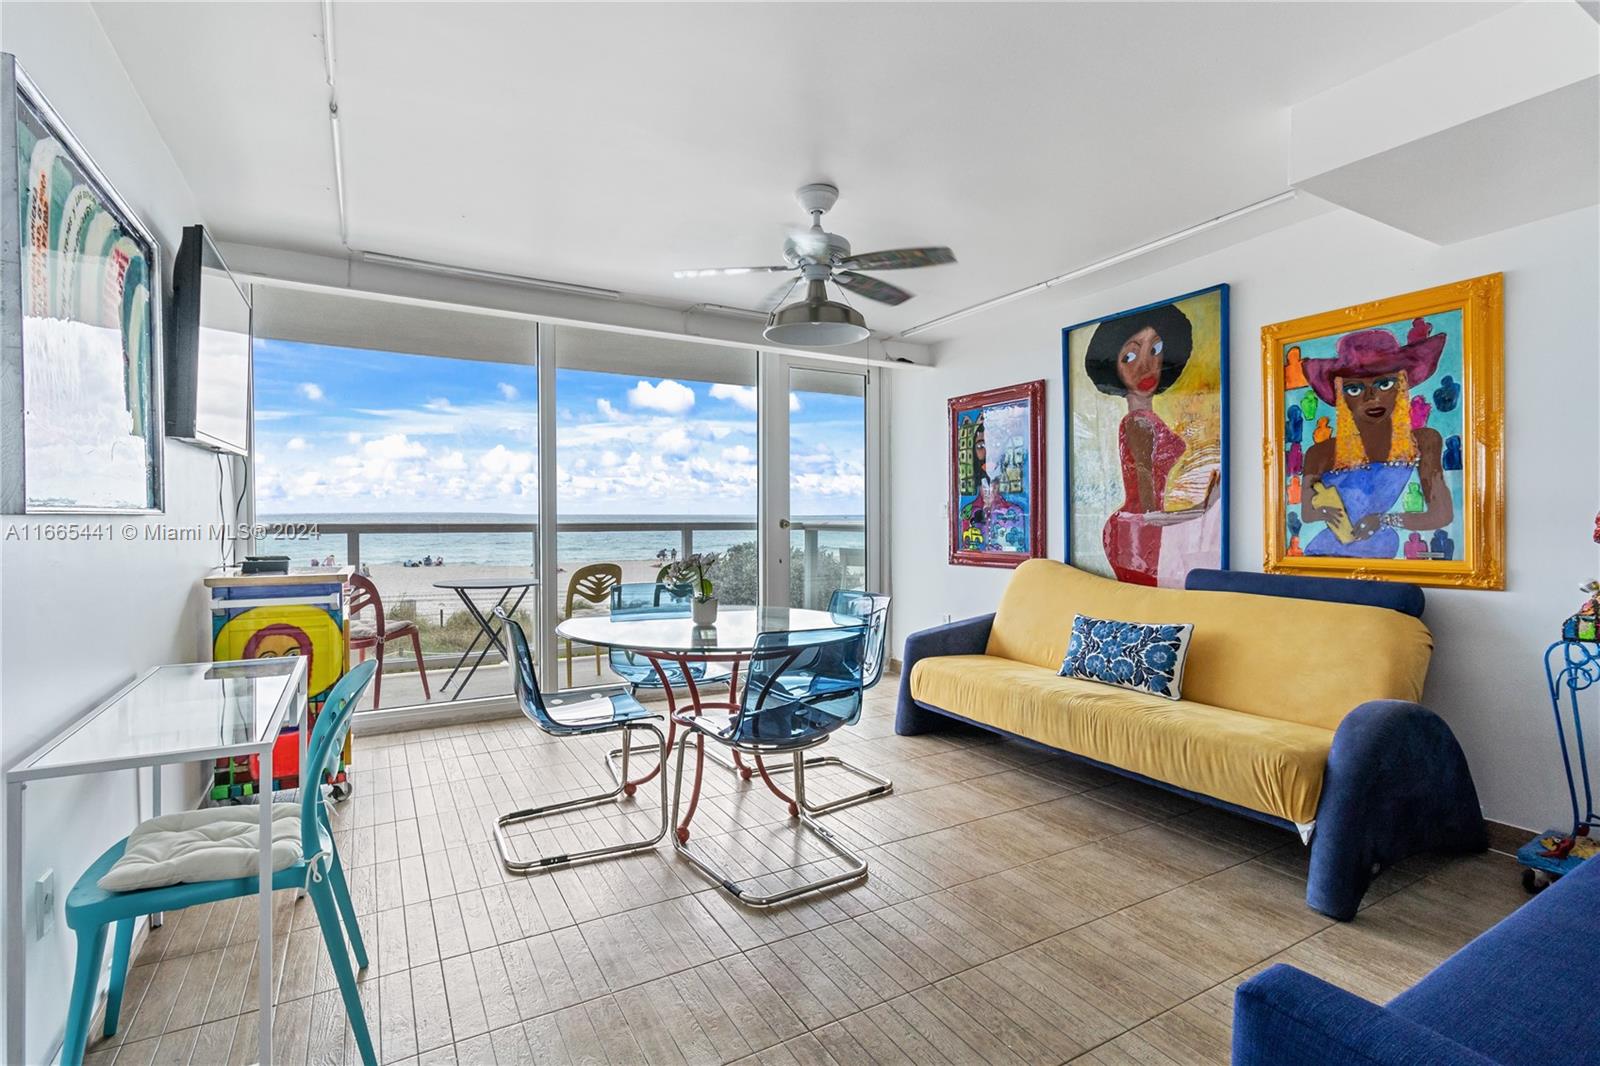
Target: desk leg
(264,946)
(16,942)
(487,625)
(158,918)
(305,780)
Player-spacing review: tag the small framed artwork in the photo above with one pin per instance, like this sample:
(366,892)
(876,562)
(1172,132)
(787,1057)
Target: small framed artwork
(80,324)
(1147,440)
(997,476)
(1384,439)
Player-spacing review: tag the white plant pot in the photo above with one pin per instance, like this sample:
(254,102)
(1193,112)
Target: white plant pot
(705,611)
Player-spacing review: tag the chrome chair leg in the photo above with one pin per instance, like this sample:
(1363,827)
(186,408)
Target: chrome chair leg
(527,866)
(855,870)
(881,786)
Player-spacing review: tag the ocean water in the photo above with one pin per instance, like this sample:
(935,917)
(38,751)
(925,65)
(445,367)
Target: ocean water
(494,548)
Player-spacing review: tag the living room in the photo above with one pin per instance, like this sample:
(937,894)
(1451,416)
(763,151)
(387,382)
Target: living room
(751,514)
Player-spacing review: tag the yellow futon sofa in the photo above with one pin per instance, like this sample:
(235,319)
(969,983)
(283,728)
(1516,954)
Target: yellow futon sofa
(1299,707)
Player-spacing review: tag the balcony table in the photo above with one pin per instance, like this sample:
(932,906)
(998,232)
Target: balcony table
(676,639)
(185,713)
(464,587)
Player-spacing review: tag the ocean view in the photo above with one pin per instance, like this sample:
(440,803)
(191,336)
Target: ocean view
(481,547)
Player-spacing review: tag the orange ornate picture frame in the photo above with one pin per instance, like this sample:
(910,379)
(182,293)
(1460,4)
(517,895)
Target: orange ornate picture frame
(1384,439)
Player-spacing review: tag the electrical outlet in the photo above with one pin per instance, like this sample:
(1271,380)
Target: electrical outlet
(44,904)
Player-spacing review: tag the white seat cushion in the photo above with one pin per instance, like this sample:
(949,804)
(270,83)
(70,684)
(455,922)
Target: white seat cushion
(214,844)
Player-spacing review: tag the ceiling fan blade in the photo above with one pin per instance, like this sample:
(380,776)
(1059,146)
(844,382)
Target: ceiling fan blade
(717,272)
(900,259)
(871,288)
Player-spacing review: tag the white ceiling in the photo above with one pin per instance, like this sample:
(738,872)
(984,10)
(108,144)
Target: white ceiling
(607,144)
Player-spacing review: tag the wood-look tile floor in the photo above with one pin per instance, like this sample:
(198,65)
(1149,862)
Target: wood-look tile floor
(1021,909)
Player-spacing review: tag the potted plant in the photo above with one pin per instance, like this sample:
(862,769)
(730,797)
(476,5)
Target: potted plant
(690,573)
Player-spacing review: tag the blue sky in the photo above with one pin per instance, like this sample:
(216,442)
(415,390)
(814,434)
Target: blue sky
(350,430)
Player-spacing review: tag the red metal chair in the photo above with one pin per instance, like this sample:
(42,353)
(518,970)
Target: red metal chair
(364,594)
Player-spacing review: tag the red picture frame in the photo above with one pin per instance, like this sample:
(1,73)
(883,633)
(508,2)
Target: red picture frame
(997,487)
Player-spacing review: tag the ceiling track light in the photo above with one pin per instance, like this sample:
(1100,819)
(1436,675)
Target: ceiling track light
(1100,264)
(330,69)
(446,269)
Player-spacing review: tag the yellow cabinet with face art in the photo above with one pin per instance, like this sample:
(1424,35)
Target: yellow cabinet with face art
(259,616)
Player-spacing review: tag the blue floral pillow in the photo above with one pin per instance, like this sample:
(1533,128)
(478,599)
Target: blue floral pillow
(1128,654)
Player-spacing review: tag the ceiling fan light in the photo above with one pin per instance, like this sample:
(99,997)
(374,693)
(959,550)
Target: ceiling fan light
(816,322)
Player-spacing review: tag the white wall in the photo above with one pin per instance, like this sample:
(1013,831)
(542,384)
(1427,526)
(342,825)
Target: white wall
(78,620)
(1486,679)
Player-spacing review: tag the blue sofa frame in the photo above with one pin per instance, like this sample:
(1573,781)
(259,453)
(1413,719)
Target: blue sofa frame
(1521,993)
(1397,782)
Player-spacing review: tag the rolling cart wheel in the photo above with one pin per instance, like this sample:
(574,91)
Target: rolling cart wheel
(1536,881)
(341,790)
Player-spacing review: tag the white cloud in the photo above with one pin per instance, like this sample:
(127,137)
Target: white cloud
(675,441)
(450,461)
(352,437)
(668,396)
(438,403)
(739,454)
(296,444)
(607,408)
(743,395)
(503,461)
(508,390)
(311,390)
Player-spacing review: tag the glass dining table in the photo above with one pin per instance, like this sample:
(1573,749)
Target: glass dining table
(185,713)
(672,643)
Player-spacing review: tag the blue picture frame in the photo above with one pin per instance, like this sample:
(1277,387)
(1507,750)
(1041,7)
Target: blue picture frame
(1145,533)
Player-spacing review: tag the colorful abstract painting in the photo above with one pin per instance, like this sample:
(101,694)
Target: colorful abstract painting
(996,476)
(90,432)
(1147,440)
(1376,445)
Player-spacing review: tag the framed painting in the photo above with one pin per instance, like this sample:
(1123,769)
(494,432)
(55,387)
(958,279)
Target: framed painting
(997,476)
(80,324)
(1384,439)
(1147,440)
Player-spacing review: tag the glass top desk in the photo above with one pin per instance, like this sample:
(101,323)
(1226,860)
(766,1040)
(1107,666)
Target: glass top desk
(192,712)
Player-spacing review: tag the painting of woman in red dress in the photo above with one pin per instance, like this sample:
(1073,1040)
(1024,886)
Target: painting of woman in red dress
(1161,496)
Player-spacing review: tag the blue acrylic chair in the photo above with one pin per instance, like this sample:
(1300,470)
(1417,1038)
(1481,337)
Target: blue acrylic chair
(872,608)
(618,712)
(655,599)
(91,909)
(800,688)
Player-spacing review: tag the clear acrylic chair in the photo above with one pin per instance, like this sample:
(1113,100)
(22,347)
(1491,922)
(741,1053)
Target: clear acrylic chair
(872,608)
(654,599)
(616,712)
(91,910)
(800,688)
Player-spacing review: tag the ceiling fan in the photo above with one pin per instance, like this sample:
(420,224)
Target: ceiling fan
(818,257)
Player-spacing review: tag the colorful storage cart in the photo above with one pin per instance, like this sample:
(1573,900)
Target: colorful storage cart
(265,615)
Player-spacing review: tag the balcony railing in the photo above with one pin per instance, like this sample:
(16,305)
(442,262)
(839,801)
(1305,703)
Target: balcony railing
(811,538)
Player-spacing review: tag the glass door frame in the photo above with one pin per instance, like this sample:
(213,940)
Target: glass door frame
(772,478)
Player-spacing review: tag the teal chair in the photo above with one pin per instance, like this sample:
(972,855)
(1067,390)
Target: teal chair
(91,909)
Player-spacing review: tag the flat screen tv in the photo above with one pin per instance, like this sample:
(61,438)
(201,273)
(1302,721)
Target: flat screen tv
(208,368)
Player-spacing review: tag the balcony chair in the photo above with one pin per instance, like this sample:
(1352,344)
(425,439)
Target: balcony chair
(379,632)
(618,712)
(590,584)
(873,609)
(800,687)
(316,868)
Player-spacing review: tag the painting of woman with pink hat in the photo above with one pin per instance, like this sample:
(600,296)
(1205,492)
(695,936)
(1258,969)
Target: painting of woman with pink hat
(1381,475)
(1385,438)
